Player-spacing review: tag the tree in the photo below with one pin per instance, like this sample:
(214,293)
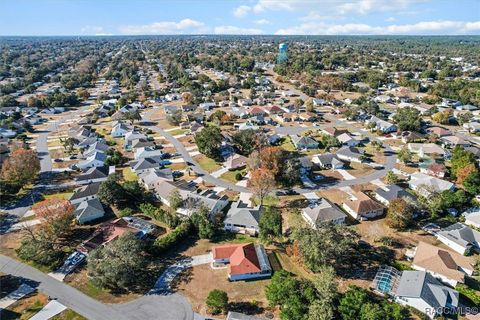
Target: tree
(371,311)
(217,301)
(298,103)
(254,161)
(352,301)
(463,173)
(270,224)
(391,178)
(244,141)
(270,158)
(57,215)
(442,117)
(404,155)
(21,167)
(408,118)
(460,159)
(328,244)
(175,199)
(119,264)
(399,214)
(326,287)
(69,143)
(262,182)
(309,105)
(472,183)
(209,141)
(329,141)
(132,116)
(46,244)
(110,191)
(280,288)
(175,117)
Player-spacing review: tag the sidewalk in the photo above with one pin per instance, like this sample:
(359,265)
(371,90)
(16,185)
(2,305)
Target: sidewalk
(50,310)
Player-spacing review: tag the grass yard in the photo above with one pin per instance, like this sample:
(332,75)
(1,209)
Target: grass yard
(206,163)
(62,195)
(230,175)
(287,144)
(178,131)
(129,175)
(68,315)
(25,308)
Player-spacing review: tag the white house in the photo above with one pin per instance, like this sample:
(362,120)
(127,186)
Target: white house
(96,160)
(242,219)
(323,212)
(89,210)
(422,291)
(120,130)
(460,238)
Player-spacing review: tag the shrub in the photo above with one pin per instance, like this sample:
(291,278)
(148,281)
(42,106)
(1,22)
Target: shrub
(125,212)
(238,176)
(163,243)
(217,301)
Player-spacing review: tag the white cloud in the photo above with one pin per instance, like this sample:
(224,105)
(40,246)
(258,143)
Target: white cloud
(185,26)
(335,7)
(236,30)
(420,28)
(241,11)
(391,19)
(262,22)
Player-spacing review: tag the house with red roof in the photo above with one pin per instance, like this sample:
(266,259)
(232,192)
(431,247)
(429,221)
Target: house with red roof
(244,261)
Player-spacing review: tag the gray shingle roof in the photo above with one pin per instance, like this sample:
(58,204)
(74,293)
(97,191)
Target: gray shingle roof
(420,284)
(241,214)
(324,212)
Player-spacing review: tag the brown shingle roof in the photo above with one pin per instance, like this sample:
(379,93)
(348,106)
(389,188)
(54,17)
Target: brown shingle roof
(442,261)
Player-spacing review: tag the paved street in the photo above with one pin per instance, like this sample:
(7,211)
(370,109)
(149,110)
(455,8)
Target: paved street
(165,307)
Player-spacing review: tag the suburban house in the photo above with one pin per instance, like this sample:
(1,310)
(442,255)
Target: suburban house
(96,174)
(361,207)
(447,266)
(89,210)
(154,176)
(460,238)
(434,169)
(334,131)
(130,137)
(242,219)
(236,161)
(348,140)
(439,131)
(97,146)
(95,160)
(244,261)
(350,154)
(427,185)
(87,192)
(208,198)
(453,141)
(323,211)
(147,152)
(390,192)
(120,130)
(426,149)
(144,164)
(422,291)
(472,127)
(328,161)
(382,125)
(473,219)
(303,142)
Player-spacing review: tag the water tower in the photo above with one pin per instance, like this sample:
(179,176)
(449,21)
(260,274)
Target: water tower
(282,53)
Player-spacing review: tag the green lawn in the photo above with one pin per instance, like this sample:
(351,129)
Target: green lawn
(177,132)
(230,175)
(208,164)
(287,144)
(62,195)
(129,175)
(68,315)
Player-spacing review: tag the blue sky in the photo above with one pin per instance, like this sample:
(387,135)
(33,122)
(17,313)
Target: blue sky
(336,17)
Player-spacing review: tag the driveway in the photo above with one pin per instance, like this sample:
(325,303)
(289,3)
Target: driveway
(163,283)
(167,307)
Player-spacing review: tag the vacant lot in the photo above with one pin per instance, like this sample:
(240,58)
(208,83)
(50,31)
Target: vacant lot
(197,282)
(206,163)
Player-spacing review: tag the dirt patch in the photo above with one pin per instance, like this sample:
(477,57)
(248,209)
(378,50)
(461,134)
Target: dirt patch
(203,279)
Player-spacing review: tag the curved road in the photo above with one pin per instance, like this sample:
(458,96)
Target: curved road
(387,166)
(165,307)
